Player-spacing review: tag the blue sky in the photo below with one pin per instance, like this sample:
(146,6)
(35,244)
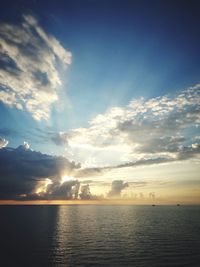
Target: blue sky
(120,49)
(81,66)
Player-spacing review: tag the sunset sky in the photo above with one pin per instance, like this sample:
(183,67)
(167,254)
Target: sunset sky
(100,95)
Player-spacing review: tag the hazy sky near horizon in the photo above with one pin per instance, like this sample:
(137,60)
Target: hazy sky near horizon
(98,92)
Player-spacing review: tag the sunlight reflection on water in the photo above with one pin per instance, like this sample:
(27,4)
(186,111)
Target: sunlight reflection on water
(100,236)
(122,236)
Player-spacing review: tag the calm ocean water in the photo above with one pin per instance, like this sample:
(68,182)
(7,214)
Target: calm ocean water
(99,236)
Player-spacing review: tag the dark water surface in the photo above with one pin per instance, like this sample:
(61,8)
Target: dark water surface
(99,236)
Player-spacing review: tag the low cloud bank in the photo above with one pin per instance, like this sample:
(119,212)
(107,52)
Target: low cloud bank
(24,171)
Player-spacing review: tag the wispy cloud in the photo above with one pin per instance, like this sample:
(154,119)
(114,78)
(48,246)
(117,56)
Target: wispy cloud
(152,131)
(29,60)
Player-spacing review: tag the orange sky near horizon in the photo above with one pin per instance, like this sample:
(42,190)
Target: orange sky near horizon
(195,201)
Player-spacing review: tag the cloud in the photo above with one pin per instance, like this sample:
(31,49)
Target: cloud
(29,63)
(3,142)
(57,190)
(185,153)
(116,188)
(60,138)
(30,174)
(85,192)
(136,184)
(189,152)
(88,172)
(152,131)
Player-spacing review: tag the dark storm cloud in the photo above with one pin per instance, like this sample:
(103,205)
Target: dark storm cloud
(22,170)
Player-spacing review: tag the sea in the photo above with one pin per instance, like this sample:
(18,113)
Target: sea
(95,235)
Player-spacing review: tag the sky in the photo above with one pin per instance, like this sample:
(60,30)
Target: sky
(100,99)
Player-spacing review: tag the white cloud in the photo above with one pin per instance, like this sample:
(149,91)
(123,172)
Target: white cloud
(3,142)
(145,131)
(29,77)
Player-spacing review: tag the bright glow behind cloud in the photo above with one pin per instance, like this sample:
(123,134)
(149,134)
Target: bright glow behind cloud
(144,132)
(3,142)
